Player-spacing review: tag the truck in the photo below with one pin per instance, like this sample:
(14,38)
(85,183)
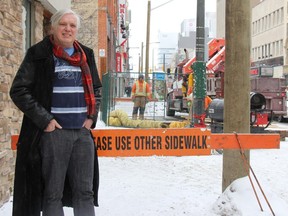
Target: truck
(262,82)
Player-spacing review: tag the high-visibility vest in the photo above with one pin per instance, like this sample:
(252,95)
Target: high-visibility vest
(141,89)
(190,84)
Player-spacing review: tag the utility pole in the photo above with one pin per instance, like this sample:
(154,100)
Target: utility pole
(153,68)
(148,36)
(141,57)
(199,68)
(147,41)
(164,62)
(139,63)
(236,84)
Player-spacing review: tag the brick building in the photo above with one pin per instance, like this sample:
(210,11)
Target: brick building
(99,30)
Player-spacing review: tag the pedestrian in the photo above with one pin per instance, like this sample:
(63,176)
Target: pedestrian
(140,95)
(57,87)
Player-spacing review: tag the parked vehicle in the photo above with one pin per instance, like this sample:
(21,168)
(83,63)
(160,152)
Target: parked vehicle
(262,82)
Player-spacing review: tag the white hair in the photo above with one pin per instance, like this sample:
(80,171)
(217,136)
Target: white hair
(59,14)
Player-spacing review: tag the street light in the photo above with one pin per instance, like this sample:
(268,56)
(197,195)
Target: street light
(147,40)
(148,35)
(139,62)
(142,46)
(140,55)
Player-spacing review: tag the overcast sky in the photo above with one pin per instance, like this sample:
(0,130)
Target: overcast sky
(166,18)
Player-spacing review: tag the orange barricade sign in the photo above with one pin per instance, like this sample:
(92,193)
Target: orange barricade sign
(172,142)
(146,142)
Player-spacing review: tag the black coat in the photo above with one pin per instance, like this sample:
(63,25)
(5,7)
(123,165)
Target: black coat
(31,92)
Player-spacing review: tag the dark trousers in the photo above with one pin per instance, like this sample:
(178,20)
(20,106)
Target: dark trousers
(139,103)
(71,153)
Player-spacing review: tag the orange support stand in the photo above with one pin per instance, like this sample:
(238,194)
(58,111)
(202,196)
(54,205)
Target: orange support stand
(172,142)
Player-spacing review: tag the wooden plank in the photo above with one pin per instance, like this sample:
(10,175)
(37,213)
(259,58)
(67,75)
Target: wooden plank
(171,142)
(247,141)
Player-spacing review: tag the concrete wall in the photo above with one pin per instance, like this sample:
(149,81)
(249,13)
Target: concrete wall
(255,2)
(268,31)
(272,38)
(220,16)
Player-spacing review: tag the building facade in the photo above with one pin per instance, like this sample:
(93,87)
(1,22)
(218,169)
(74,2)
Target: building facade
(165,50)
(189,25)
(99,30)
(268,33)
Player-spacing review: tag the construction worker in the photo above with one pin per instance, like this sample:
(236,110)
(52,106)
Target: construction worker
(140,95)
(184,85)
(207,99)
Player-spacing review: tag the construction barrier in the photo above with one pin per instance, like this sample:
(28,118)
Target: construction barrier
(172,142)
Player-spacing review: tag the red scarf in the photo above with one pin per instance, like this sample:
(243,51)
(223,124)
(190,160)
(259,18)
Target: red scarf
(79,59)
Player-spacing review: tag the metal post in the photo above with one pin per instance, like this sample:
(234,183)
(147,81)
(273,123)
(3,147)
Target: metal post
(153,60)
(164,62)
(199,68)
(139,63)
(128,59)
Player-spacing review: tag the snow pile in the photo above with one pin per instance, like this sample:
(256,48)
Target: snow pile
(239,199)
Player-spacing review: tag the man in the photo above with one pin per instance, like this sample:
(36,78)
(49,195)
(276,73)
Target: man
(140,95)
(57,87)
